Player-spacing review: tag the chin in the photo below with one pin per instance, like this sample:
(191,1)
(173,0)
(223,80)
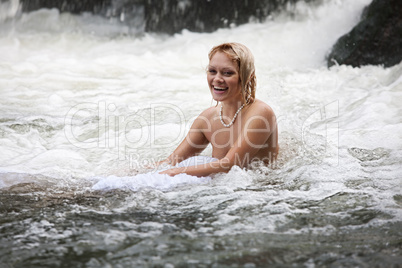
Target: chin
(218,98)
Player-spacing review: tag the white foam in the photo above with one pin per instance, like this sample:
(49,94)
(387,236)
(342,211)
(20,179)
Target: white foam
(53,63)
(154,179)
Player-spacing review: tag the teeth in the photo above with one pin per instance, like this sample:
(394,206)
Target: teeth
(220,88)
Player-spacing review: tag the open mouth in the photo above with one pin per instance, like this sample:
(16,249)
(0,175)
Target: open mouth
(220,88)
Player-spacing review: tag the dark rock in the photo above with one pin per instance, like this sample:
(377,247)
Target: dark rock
(73,6)
(171,16)
(376,40)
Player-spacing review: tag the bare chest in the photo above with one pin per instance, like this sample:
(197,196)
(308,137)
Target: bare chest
(222,138)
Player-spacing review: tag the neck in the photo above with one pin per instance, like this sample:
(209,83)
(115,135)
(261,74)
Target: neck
(231,107)
(229,124)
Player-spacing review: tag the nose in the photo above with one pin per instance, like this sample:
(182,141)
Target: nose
(218,78)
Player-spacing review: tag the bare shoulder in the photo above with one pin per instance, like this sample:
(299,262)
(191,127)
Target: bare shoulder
(260,108)
(209,113)
(260,116)
(204,119)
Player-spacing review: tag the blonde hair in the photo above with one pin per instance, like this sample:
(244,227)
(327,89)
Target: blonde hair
(245,61)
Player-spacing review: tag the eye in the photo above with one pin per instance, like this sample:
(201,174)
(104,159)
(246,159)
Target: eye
(228,73)
(211,71)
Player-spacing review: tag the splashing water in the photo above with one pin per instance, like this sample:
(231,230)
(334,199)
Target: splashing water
(83,97)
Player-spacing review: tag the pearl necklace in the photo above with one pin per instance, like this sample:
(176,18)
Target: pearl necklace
(234,118)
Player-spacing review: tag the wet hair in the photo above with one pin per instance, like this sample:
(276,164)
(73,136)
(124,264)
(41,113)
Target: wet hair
(244,59)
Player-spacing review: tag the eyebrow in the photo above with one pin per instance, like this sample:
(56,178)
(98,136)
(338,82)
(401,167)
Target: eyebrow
(224,68)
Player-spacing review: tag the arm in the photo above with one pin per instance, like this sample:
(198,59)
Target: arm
(194,143)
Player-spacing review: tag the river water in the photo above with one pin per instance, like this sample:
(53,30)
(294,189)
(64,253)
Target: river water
(83,98)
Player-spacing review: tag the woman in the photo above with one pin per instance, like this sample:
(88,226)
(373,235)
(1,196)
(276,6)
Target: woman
(240,128)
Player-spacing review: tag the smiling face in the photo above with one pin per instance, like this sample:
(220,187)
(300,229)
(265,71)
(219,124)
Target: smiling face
(223,78)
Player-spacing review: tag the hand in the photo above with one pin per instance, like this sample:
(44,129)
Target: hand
(172,172)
